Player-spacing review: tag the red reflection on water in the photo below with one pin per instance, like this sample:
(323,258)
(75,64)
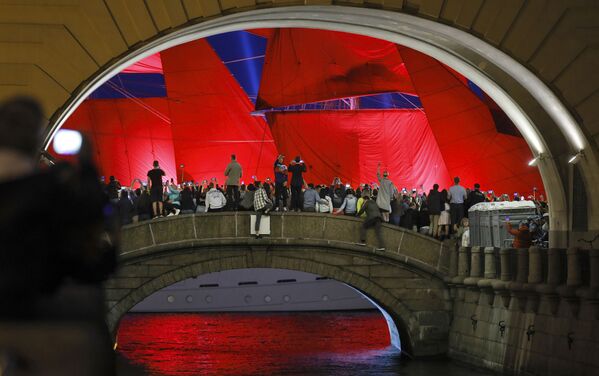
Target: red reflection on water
(240,343)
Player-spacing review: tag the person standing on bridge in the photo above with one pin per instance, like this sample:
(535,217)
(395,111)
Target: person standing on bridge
(297,168)
(373,219)
(233,172)
(280,183)
(156,188)
(457,197)
(386,190)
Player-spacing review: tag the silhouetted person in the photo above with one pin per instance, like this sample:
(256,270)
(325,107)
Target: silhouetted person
(125,208)
(280,171)
(54,249)
(143,206)
(112,189)
(435,207)
(474,197)
(187,205)
(297,168)
(156,188)
(51,221)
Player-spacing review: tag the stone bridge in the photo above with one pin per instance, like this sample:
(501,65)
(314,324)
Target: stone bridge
(408,280)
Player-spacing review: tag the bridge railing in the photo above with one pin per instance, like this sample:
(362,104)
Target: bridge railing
(527,274)
(288,229)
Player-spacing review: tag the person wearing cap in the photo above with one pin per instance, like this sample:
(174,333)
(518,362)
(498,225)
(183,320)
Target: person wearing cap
(522,235)
(280,183)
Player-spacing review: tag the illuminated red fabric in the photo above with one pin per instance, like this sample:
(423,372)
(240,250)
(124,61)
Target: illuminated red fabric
(462,124)
(306,65)
(349,144)
(151,64)
(264,33)
(126,137)
(211,118)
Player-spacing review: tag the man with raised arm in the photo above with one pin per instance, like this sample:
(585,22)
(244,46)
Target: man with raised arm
(386,189)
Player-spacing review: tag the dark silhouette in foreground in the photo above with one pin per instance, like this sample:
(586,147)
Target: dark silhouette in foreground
(57,246)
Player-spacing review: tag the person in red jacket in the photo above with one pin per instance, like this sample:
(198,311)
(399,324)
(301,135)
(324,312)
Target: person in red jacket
(522,236)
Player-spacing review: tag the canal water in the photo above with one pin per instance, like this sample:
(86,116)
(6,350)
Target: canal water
(306,343)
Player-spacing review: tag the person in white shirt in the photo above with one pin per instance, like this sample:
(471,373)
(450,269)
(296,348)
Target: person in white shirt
(326,203)
(464,233)
(215,199)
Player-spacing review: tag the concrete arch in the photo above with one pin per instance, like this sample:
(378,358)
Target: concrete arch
(527,100)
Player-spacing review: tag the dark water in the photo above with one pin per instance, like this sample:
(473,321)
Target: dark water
(323,343)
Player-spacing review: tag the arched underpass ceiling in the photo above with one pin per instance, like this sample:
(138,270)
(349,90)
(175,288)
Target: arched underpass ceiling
(49,48)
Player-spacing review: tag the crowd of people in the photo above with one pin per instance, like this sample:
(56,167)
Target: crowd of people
(442,214)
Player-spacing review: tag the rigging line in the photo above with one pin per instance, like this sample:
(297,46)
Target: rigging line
(125,142)
(142,104)
(128,95)
(412,103)
(243,59)
(149,108)
(261,147)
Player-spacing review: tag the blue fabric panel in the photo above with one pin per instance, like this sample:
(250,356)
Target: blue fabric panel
(138,85)
(390,100)
(243,54)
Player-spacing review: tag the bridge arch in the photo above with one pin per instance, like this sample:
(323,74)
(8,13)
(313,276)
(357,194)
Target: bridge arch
(411,290)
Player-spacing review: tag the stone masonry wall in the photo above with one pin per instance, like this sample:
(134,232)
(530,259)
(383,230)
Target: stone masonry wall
(526,312)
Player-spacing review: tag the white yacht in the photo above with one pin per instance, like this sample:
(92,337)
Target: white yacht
(255,290)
